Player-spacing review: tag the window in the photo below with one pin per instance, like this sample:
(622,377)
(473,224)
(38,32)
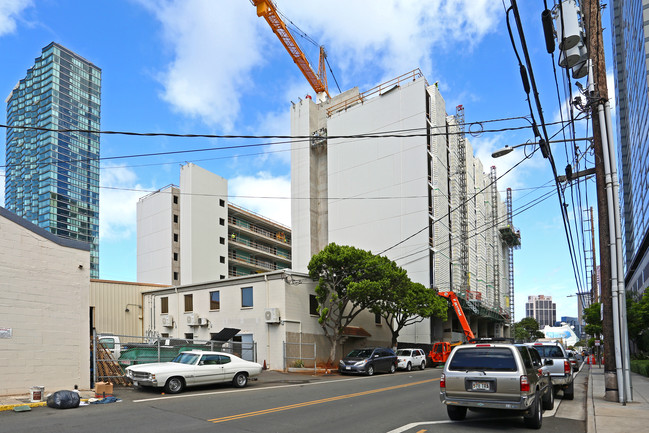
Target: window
(189,335)
(164,305)
(175,218)
(189,303)
(222,259)
(222,277)
(175,237)
(246,297)
(222,240)
(164,335)
(222,203)
(215,300)
(377,318)
(175,257)
(175,199)
(313,305)
(221,221)
(175,276)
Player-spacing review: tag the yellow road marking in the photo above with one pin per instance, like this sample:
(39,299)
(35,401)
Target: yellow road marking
(422,431)
(314,402)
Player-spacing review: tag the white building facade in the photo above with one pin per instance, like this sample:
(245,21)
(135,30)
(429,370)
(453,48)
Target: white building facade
(397,194)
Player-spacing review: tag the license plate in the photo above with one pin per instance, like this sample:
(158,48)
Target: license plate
(480,386)
(348,368)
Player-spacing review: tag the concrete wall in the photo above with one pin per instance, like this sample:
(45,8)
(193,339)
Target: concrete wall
(44,309)
(201,213)
(155,229)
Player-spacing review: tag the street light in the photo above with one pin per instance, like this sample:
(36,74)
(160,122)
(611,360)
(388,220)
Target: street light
(507,149)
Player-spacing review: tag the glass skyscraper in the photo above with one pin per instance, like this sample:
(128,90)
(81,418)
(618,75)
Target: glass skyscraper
(52,168)
(630,53)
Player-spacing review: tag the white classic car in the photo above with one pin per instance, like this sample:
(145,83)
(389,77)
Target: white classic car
(194,368)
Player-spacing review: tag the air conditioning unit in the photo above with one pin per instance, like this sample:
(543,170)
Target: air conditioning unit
(168,321)
(203,321)
(271,315)
(192,319)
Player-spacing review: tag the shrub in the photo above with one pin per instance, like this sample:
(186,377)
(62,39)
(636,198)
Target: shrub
(640,366)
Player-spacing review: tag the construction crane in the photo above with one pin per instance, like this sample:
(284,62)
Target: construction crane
(318,81)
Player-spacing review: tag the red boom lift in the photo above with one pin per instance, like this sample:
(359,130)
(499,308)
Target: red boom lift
(440,351)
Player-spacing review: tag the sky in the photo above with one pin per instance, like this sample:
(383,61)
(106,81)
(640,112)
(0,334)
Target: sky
(214,67)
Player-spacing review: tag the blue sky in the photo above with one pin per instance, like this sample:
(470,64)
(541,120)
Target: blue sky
(214,67)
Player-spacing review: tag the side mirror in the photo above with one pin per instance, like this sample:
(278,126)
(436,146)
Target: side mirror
(201,362)
(548,362)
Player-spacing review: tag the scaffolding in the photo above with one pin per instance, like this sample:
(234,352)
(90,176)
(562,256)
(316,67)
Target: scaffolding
(496,237)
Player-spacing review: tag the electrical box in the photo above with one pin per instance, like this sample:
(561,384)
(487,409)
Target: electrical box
(271,315)
(168,321)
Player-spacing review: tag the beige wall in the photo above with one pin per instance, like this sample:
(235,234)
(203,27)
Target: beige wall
(110,300)
(44,309)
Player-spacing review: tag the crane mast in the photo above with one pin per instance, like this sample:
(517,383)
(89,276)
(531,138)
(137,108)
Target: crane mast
(318,81)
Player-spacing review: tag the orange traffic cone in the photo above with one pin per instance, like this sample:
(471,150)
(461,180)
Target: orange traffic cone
(264,367)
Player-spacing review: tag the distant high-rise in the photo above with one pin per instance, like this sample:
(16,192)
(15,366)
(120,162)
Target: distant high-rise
(52,177)
(630,31)
(542,309)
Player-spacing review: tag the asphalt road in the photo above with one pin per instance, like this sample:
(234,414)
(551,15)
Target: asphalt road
(401,402)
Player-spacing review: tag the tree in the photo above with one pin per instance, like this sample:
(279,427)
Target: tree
(593,319)
(527,329)
(402,302)
(336,268)
(637,316)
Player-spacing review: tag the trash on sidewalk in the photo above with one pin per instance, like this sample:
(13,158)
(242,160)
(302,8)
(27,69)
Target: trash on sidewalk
(22,408)
(64,399)
(103,389)
(105,400)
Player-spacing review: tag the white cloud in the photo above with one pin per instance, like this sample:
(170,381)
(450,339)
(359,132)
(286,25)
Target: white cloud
(9,11)
(214,46)
(253,192)
(117,207)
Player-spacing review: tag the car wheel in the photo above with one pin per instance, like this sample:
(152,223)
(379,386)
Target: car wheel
(370,370)
(408,367)
(393,368)
(456,413)
(240,380)
(548,400)
(534,417)
(423,365)
(569,392)
(174,385)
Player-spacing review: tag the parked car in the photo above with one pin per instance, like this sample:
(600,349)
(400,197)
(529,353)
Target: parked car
(574,360)
(192,368)
(558,364)
(496,376)
(409,358)
(368,361)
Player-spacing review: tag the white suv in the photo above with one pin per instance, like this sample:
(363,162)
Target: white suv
(409,358)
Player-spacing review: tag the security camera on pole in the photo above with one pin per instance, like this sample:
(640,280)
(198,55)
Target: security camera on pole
(577,51)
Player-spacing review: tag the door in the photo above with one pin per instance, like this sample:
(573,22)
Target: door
(208,370)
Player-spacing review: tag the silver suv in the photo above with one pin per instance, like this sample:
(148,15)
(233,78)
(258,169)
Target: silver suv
(558,364)
(496,376)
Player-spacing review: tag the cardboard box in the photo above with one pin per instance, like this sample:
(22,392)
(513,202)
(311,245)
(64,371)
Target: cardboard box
(103,389)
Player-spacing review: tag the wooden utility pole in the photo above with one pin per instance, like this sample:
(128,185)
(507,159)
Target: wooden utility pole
(595,46)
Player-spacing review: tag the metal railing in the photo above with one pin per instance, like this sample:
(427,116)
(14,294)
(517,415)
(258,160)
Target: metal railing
(260,247)
(278,236)
(296,353)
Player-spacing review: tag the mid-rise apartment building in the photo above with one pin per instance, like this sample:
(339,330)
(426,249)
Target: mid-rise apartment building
(52,176)
(542,309)
(191,234)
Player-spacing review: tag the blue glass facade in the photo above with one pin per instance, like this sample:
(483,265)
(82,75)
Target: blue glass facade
(630,33)
(52,177)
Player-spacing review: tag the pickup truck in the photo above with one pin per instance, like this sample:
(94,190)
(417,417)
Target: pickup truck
(557,363)
(111,343)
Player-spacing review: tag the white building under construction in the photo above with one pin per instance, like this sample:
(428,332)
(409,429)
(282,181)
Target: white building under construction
(414,192)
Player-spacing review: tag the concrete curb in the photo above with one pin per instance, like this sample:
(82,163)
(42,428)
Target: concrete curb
(6,407)
(590,405)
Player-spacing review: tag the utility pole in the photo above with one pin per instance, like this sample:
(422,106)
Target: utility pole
(595,47)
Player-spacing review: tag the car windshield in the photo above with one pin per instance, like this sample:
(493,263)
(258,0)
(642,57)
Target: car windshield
(186,358)
(360,353)
(549,351)
(403,352)
(483,359)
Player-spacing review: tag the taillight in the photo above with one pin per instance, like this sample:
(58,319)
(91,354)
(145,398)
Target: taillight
(525,384)
(567,369)
(442,381)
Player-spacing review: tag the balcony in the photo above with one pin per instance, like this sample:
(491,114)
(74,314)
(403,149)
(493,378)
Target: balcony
(257,248)
(278,237)
(253,263)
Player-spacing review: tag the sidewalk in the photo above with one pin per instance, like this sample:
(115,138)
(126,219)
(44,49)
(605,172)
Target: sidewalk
(610,417)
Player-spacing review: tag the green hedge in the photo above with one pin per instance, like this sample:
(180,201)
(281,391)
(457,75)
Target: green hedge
(640,366)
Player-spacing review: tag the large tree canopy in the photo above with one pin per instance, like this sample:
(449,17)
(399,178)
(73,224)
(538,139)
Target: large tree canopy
(527,330)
